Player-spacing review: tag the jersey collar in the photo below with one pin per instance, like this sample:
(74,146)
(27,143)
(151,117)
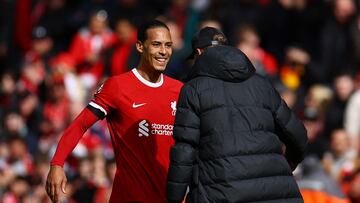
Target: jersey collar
(146,82)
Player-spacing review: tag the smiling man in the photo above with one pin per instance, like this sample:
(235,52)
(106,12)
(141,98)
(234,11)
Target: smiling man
(139,108)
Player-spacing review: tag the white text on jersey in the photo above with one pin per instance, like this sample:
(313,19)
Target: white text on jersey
(154,129)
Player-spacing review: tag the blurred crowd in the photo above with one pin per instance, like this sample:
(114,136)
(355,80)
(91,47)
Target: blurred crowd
(55,53)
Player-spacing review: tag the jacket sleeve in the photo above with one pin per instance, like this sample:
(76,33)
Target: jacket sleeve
(290,130)
(183,153)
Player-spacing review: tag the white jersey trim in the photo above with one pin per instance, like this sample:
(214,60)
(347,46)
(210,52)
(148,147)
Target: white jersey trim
(93,104)
(146,82)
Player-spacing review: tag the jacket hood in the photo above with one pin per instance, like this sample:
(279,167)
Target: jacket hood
(223,62)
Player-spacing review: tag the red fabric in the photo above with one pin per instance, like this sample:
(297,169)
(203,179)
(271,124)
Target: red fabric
(28,163)
(57,113)
(102,195)
(63,58)
(91,141)
(346,178)
(263,2)
(142,160)
(23,24)
(27,85)
(33,73)
(10,198)
(119,60)
(25,18)
(83,45)
(72,135)
(269,62)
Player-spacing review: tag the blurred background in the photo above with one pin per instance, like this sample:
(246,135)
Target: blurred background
(55,53)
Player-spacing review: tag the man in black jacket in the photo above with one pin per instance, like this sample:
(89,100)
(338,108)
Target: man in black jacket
(229,130)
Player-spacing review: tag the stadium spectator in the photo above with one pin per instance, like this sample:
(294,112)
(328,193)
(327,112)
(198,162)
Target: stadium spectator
(341,159)
(313,116)
(118,58)
(343,88)
(248,41)
(88,46)
(335,41)
(316,185)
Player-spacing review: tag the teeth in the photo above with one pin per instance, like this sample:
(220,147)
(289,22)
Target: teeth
(161,60)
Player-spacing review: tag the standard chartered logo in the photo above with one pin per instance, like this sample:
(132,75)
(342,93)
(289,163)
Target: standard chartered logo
(143,128)
(162,129)
(154,129)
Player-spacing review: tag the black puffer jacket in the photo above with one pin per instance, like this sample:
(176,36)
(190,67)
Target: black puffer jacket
(228,130)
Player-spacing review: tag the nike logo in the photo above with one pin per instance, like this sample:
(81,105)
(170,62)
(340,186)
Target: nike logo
(137,105)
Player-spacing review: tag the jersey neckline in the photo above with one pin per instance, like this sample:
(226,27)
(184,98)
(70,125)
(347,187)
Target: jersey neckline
(146,82)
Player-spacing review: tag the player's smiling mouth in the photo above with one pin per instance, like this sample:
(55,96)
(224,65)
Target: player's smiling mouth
(161,59)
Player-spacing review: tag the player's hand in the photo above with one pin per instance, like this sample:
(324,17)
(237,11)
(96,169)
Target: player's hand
(56,182)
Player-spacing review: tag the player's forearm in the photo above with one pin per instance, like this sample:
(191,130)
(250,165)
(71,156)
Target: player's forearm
(72,136)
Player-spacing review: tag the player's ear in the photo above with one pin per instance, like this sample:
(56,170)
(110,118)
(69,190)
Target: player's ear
(139,46)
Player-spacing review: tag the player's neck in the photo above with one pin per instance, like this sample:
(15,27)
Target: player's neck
(149,75)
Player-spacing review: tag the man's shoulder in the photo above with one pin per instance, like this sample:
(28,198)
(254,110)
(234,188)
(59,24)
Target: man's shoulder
(259,80)
(118,82)
(121,77)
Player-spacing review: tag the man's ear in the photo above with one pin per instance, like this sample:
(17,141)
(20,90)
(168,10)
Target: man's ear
(139,46)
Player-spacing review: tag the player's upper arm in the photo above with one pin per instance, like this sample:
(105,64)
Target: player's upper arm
(104,98)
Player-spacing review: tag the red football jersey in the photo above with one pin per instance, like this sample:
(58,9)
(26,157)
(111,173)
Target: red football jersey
(140,117)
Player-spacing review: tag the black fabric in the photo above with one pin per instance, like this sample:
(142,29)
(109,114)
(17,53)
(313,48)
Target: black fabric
(229,130)
(204,38)
(96,111)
